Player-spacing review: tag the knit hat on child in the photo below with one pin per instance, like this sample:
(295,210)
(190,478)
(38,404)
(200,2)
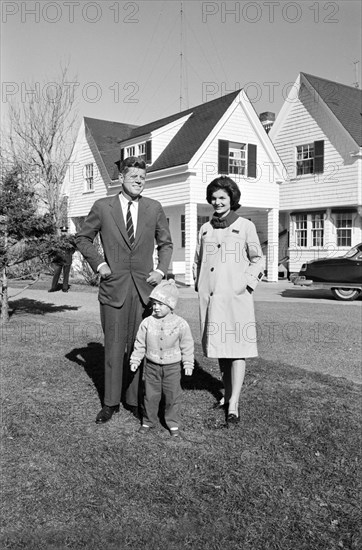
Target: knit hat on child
(166,293)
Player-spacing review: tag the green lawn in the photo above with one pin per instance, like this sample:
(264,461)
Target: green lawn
(287,477)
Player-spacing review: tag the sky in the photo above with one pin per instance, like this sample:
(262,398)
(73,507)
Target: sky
(136,62)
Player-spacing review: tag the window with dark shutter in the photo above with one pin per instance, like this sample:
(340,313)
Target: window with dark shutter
(149,152)
(251,160)
(318,156)
(122,154)
(223,164)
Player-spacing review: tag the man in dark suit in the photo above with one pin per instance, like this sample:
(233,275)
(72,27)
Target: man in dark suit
(61,261)
(129,225)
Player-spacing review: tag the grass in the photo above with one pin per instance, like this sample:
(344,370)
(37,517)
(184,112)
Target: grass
(287,477)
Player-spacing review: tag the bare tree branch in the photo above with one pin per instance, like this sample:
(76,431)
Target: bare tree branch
(42,136)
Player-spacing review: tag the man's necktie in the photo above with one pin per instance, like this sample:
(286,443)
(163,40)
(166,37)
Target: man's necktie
(129,224)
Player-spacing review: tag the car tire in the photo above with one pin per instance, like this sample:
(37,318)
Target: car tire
(345,294)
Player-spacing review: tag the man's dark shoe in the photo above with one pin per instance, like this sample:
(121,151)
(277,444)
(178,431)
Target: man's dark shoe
(106,414)
(133,409)
(52,290)
(65,289)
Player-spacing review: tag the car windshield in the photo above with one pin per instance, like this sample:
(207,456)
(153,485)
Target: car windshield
(351,252)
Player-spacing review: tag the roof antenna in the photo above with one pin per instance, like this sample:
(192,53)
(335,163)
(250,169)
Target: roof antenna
(181,56)
(356,83)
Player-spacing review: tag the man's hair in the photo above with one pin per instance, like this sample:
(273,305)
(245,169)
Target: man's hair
(224,183)
(130,162)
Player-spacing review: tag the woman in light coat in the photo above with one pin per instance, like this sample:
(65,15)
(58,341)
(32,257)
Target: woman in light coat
(228,266)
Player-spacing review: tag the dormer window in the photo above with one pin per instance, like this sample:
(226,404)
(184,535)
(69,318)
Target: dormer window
(143,150)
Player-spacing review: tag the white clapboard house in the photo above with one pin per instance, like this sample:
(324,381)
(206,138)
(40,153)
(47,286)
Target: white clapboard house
(184,152)
(318,136)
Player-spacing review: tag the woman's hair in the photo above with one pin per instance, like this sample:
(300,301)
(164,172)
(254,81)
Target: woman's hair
(224,183)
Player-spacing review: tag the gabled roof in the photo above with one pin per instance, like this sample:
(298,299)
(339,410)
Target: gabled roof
(345,102)
(107,135)
(191,135)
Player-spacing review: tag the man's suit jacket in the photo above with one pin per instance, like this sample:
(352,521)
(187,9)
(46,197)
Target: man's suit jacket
(106,218)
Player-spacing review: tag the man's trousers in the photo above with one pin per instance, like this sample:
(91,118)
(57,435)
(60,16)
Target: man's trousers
(120,325)
(56,276)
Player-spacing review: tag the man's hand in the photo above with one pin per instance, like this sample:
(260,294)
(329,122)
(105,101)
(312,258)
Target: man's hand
(105,271)
(155,277)
(188,371)
(133,367)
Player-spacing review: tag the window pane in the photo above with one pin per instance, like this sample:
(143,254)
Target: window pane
(237,158)
(305,159)
(344,229)
(301,229)
(317,229)
(89,176)
(183,230)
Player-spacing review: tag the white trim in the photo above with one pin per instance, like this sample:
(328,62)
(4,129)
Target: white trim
(284,111)
(171,171)
(155,133)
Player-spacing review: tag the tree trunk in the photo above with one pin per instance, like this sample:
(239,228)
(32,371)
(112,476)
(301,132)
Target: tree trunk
(4,298)
(4,316)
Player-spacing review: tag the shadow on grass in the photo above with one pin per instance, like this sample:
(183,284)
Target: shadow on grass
(202,380)
(36,307)
(91,358)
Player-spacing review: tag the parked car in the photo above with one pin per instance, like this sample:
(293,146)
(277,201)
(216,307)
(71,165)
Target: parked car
(343,275)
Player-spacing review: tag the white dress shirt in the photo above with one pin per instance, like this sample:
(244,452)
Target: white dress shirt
(134,213)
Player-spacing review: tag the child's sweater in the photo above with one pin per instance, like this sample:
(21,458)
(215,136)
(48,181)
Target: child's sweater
(164,341)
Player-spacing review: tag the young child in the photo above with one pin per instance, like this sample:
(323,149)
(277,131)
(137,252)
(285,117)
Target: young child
(165,339)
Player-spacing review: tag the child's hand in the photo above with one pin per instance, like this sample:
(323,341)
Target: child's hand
(133,367)
(188,371)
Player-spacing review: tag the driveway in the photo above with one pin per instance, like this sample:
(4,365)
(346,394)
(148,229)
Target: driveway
(85,298)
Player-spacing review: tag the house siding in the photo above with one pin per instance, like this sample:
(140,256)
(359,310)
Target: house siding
(80,202)
(183,193)
(338,184)
(309,120)
(259,192)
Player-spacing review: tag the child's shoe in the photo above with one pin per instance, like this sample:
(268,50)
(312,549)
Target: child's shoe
(175,432)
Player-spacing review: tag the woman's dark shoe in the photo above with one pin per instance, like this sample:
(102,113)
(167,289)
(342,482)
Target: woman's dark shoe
(232,418)
(233,415)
